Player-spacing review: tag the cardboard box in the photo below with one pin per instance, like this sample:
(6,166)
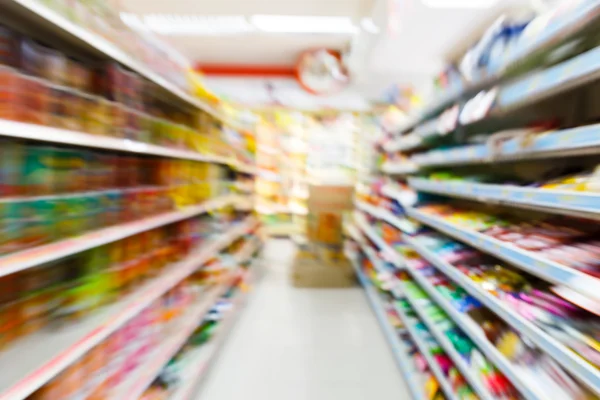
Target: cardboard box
(320,266)
(326,207)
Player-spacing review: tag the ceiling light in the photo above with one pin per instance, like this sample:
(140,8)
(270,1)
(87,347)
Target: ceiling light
(302,24)
(179,25)
(369,26)
(459,3)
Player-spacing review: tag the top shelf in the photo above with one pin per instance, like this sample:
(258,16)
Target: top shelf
(33,13)
(562,31)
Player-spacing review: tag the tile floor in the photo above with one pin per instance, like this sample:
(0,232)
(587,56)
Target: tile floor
(303,344)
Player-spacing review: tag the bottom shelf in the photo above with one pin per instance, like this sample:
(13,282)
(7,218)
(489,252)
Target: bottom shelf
(198,362)
(399,351)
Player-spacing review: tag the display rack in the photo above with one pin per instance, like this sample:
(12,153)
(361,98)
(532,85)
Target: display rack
(197,178)
(42,356)
(558,351)
(54,251)
(34,13)
(545,269)
(435,368)
(563,30)
(531,86)
(399,353)
(556,201)
(437,333)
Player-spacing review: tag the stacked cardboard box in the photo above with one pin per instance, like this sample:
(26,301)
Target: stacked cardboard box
(320,261)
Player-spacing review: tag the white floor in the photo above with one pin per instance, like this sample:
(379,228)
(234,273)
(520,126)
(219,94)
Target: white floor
(303,344)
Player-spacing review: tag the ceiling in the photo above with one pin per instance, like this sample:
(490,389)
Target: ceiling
(253,48)
(412,43)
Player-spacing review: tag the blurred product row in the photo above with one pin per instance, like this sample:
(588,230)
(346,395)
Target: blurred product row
(126,232)
(118,313)
(479,237)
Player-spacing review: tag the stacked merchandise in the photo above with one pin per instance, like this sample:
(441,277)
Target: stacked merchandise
(176,379)
(282,183)
(44,86)
(120,205)
(320,261)
(492,248)
(270,182)
(104,24)
(410,358)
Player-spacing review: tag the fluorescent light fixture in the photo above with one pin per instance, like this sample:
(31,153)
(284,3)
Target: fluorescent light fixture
(369,26)
(302,24)
(219,25)
(181,25)
(459,3)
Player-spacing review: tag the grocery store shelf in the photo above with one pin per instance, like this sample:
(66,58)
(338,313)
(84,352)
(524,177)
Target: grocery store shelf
(247,187)
(562,354)
(527,261)
(49,134)
(557,79)
(402,168)
(382,274)
(425,351)
(248,250)
(389,252)
(565,202)
(513,372)
(176,335)
(401,223)
(562,30)
(243,168)
(464,368)
(353,232)
(42,254)
(400,355)
(201,359)
(45,354)
(582,140)
(520,377)
(403,143)
(404,197)
(246,203)
(35,13)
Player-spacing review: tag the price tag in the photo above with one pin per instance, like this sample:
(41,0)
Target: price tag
(567,199)
(566,137)
(531,88)
(541,265)
(529,195)
(480,242)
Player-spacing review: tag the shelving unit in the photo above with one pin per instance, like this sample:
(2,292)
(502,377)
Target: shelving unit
(585,205)
(433,328)
(43,254)
(398,351)
(529,90)
(34,13)
(42,356)
(200,359)
(564,30)
(460,363)
(179,140)
(530,262)
(566,357)
(435,368)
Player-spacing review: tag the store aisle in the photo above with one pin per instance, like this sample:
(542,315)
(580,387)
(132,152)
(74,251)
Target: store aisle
(303,344)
